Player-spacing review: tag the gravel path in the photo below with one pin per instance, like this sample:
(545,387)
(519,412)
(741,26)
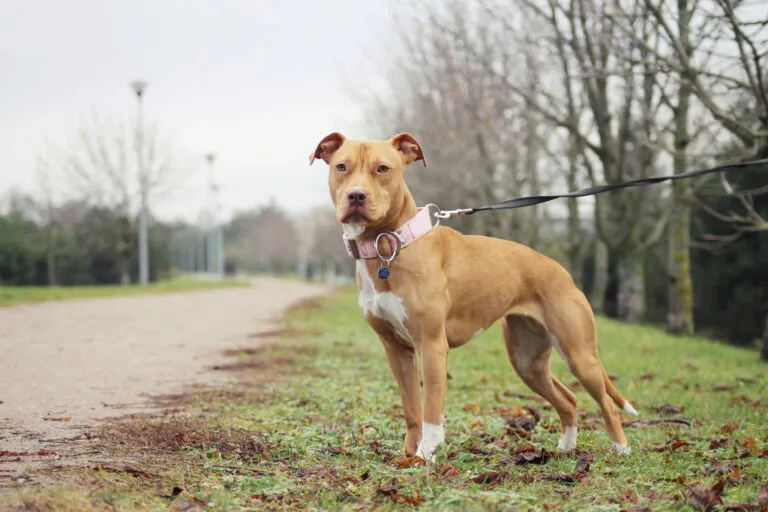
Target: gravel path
(63,365)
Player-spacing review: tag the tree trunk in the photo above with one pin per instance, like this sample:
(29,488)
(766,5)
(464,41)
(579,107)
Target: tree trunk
(51,256)
(764,351)
(630,298)
(680,296)
(575,236)
(600,279)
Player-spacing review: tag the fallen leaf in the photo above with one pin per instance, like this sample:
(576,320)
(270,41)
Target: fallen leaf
(630,496)
(521,422)
(524,458)
(728,428)
(388,489)
(749,443)
(671,444)
(669,409)
(44,451)
(749,380)
(702,498)
(646,376)
(478,449)
(740,400)
(490,477)
(583,464)
(718,443)
(334,450)
(447,471)
(762,496)
(408,462)
(470,407)
(402,498)
(62,418)
(722,387)
(677,480)
(175,492)
(533,412)
(638,509)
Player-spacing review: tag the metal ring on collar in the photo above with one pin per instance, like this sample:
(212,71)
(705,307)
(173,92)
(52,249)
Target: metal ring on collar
(435,215)
(395,249)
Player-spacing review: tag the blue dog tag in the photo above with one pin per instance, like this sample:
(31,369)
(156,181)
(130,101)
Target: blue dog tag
(383,273)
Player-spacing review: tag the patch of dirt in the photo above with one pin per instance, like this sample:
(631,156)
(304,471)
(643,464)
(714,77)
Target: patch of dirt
(129,411)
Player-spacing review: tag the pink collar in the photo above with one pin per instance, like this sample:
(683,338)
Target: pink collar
(408,233)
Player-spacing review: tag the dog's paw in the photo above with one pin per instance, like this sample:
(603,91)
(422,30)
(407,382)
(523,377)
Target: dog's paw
(568,439)
(621,449)
(426,452)
(431,437)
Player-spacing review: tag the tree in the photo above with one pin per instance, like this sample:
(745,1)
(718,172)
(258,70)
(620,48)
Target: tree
(100,165)
(263,240)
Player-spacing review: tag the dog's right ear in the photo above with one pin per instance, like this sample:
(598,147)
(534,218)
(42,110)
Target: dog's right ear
(327,147)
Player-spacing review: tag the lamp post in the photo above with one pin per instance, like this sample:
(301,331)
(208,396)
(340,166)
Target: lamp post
(215,237)
(138,87)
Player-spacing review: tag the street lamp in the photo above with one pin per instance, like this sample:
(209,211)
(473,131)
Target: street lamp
(216,237)
(138,87)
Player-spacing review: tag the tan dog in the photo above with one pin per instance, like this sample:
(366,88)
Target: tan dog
(447,287)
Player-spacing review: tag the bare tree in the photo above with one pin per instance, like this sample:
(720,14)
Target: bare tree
(100,166)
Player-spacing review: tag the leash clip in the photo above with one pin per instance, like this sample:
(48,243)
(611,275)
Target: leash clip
(447,214)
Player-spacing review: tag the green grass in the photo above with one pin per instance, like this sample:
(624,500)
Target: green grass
(325,426)
(13,295)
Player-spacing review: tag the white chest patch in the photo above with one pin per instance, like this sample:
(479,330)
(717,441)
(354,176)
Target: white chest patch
(384,305)
(352,231)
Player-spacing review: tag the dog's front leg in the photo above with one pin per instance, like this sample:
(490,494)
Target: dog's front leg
(434,364)
(402,360)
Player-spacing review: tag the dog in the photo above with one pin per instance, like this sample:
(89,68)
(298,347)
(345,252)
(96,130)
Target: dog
(426,289)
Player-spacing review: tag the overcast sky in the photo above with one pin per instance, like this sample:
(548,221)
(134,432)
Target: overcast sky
(257,82)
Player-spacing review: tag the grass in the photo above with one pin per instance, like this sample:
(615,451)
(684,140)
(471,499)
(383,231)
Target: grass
(14,295)
(317,424)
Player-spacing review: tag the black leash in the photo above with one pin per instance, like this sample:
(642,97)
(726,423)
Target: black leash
(521,202)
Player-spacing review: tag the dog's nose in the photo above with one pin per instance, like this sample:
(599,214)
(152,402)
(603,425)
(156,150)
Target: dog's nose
(356,196)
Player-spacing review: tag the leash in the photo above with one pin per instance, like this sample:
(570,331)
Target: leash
(521,202)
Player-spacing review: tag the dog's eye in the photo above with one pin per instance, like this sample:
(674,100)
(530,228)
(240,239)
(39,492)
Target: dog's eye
(341,167)
(382,169)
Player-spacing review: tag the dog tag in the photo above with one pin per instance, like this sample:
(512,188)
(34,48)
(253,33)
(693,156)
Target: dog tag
(383,273)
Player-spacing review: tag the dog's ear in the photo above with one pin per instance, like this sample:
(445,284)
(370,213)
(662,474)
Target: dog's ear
(409,147)
(327,147)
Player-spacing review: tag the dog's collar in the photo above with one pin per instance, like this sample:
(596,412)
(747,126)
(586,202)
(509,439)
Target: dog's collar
(402,237)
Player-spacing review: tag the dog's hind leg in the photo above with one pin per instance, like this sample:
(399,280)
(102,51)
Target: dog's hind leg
(573,329)
(529,351)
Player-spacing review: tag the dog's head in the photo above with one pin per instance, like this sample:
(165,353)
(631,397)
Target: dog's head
(366,177)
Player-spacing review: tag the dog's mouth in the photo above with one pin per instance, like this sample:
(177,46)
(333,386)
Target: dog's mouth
(354,215)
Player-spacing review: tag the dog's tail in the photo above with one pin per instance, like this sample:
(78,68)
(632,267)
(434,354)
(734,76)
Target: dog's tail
(616,397)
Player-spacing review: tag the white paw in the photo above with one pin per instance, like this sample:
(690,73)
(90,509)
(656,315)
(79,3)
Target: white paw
(621,448)
(568,439)
(431,437)
(629,409)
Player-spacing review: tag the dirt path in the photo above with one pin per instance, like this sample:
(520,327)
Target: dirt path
(64,365)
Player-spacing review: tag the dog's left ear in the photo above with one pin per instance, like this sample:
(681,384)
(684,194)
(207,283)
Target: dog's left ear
(327,147)
(409,148)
